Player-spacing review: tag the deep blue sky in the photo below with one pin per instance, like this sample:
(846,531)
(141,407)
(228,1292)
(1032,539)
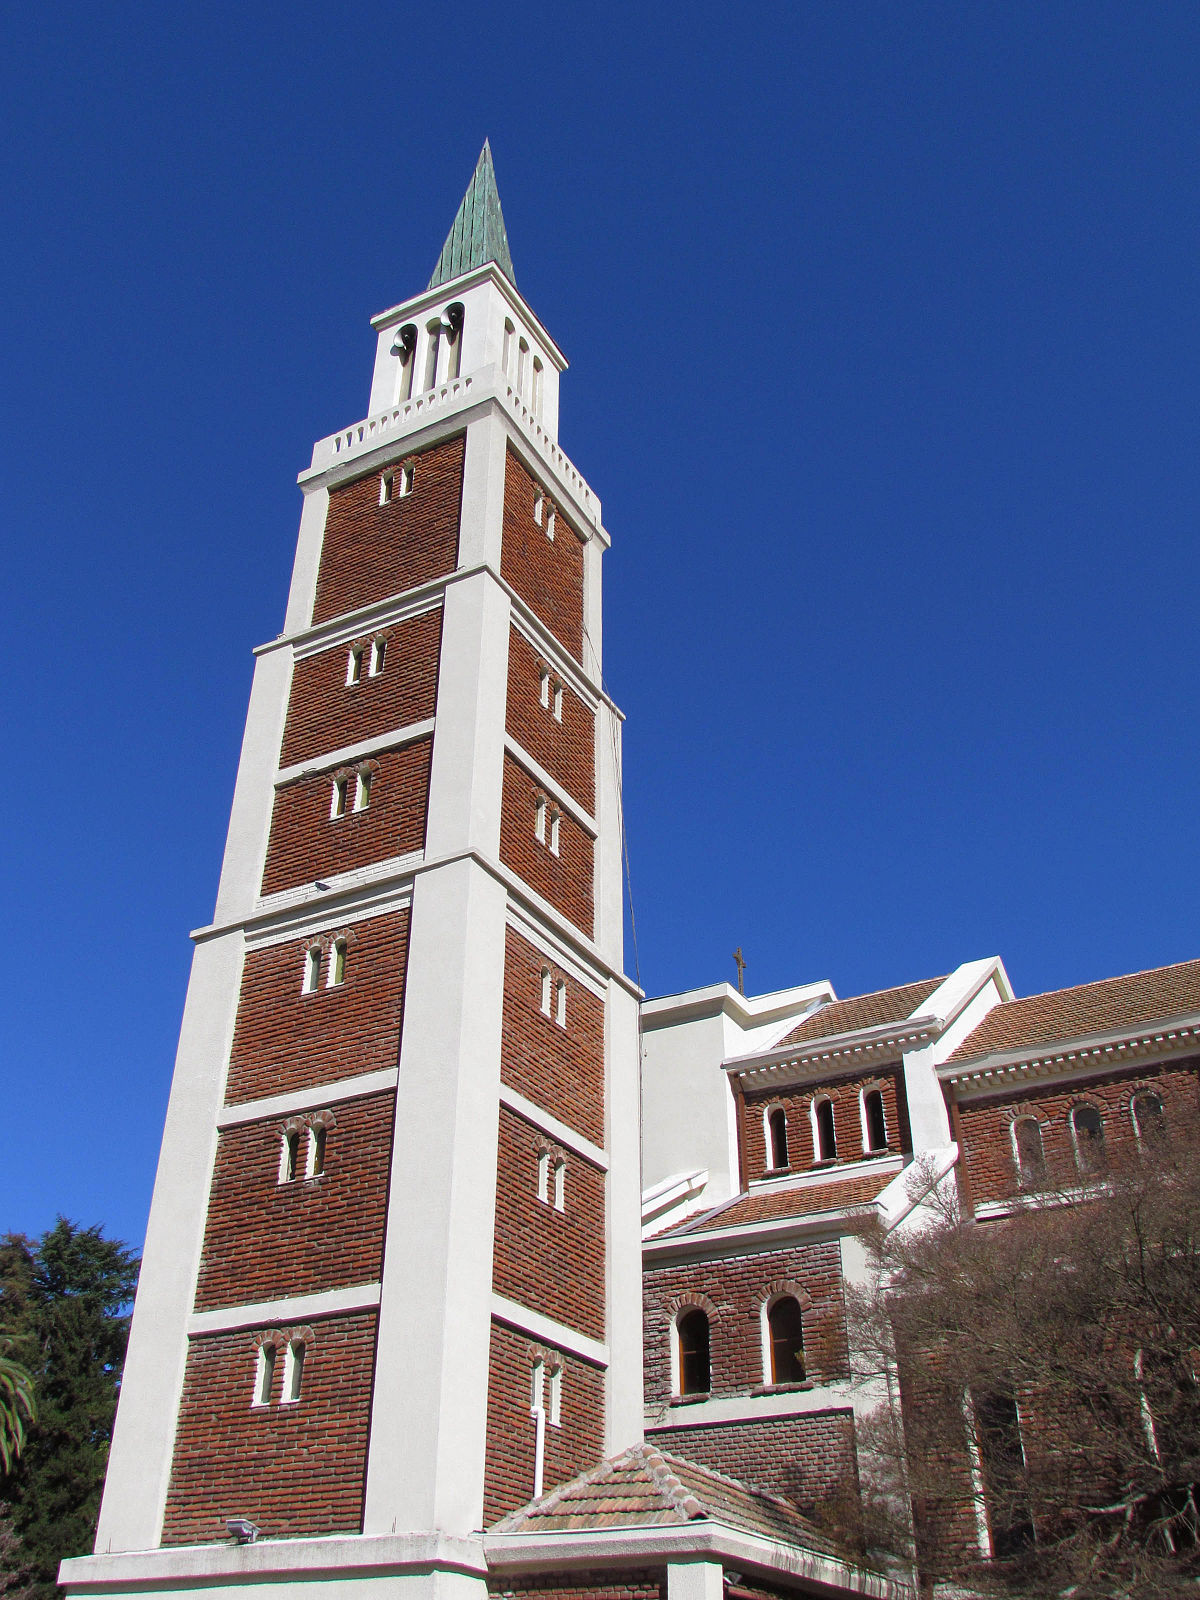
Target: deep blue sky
(883,330)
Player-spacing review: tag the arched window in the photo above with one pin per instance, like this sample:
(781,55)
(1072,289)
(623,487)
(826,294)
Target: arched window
(824,1138)
(433,349)
(354,666)
(695,1372)
(264,1375)
(1087,1130)
(337,964)
(560,1184)
(378,654)
(312,969)
(337,803)
(452,321)
(362,788)
(555,832)
(1027,1148)
(405,347)
(537,387)
(539,819)
(293,1372)
(543,1176)
(1146,1108)
(289,1150)
(315,1164)
(522,366)
(506,357)
(560,1003)
(785,1324)
(546,982)
(874,1121)
(777,1137)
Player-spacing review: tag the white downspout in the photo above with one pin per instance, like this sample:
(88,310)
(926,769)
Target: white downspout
(539,1448)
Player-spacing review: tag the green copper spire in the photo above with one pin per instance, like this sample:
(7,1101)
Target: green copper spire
(477,234)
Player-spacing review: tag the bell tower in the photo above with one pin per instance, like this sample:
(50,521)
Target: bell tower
(392,1274)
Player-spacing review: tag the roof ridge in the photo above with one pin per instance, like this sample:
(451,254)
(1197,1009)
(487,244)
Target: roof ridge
(1099,983)
(668,1485)
(893,988)
(547,1503)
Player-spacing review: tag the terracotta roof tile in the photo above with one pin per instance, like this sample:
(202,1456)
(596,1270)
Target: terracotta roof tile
(1109,1005)
(647,1487)
(765,1206)
(863,1011)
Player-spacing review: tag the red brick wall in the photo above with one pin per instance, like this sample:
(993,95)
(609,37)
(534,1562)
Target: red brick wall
(551,1261)
(546,573)
(736,1287)
(809,1458)
(847,1120)
(265,1240)
(565,879)
(988,1143)
(559,1069)
(605,1585)
(578,1443)
(372,551)
(326,713)
(293,1469)
(565,749)
(307,843)
(288,1040)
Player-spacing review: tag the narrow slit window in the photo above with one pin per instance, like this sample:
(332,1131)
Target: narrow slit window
(1147,1110)
(554,1418)
(406,348)
(362,789)
(785,1323)
(312,969)
(289,1149)
(695,1371)
(996,1424)
(354,666)
(777,1127)
(506,356)
(539,506)
(544,688)
(555,832)
(293,1372)
(378,652)
(264,1375)
(551,523)
(387,487)
(537,1385)
(337,964)
(1027,1144)
(539,820)
(452,320)
(315,1165)
(560,1003)
(522,366)
(404,480)
(546,990)
(543,1176)
(1087,1129)
(433,349)
(826,1137)
(560,1185)
(874,1119)
(537,387)
(337,803)
(558,694)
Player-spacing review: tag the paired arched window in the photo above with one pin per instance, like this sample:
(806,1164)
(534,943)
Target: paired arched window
(293,1371)
(295,1349)
(405,346)
(695,1366)
(824,1136)
(1027,1150)
(1087,1132)
(1146,1109)
(777,1141)
(874,1121)
(264,1375)
(785,1330)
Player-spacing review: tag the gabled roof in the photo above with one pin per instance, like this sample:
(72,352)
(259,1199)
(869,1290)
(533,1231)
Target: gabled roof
(477,234)
(863,1011)
(1114,1003)
(646,1487)
(771,1204)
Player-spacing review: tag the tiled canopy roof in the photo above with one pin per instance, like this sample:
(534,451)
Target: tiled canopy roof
(645,1487)
(771,1204)
(863,1011)
(1103,1007)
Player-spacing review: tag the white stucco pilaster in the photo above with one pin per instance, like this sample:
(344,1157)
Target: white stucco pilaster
(593,612)
(308,559)
(927,1114)
(254,791)
(139,1465)
(695,1580)
(429,1409)
(481,525)
(626,1412)
(608,857)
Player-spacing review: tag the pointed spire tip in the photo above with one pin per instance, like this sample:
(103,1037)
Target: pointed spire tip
(477,234)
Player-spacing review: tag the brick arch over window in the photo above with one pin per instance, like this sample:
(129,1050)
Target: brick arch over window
(785,1286)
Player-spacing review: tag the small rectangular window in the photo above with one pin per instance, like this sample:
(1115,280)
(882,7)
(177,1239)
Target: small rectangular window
(264,1375)
(546,990)
(539,501)
(560,1185)
(354,666)
(337,805)
(293,1372)
(543,1176)
(558,694)
(555,1416)
(537,1385)
(378,651)
(362,789)
(544,687)
(315,1164)
(560,1004)
(288,1149)
(550,523)
(387,487)
(337,965)
(404,479)
(312,970)
(555,833)
(539,821)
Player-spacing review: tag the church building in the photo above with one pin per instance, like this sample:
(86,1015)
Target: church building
(441,1294)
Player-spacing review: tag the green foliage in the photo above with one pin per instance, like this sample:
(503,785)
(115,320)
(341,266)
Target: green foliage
(65,1301)
(17,1407)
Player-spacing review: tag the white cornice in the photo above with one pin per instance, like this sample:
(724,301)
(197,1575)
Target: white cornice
(1082,1056)
(843,1052)
(413,733)
(320,1094)
(559,1131)
(299,1308)
(547,1330)
(552,786)
(748,1011)
(718,1241)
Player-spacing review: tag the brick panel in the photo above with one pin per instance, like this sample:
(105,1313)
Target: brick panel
(559,1069)
(566,748)
(735,1288)
(307,843)
(265,1240)
(546,573)
(578,1443)
(810,1458)
(605,1585)
(565,879)
(371,551)
(292,1469)
(288,1040)
(847,1121)
(326,713)
(987,1142)
(551,1261)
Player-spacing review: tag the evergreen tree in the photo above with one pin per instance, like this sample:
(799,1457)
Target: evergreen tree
(65,1301)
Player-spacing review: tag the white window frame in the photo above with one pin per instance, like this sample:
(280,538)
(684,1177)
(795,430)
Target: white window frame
(537,1384)
(554,1414)
(337,965)
(560,1183)
(539,819)
(1087,1170)
(543,1176)
(817,1100)
(264,1378)
(764,1331)
(318,1134)
(387,487)
(551,523)
(560,1002)
(544,686)
(362,789)
(289,1151)
(1139,1131)
(293,1372)
(546,986)
(378,656)
(337,801)
(354,666)
(539,502)
(558,702)
(868,1148)
(311,981)
(769,1143)
(555,832)
(1014,1123)
(405,477)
